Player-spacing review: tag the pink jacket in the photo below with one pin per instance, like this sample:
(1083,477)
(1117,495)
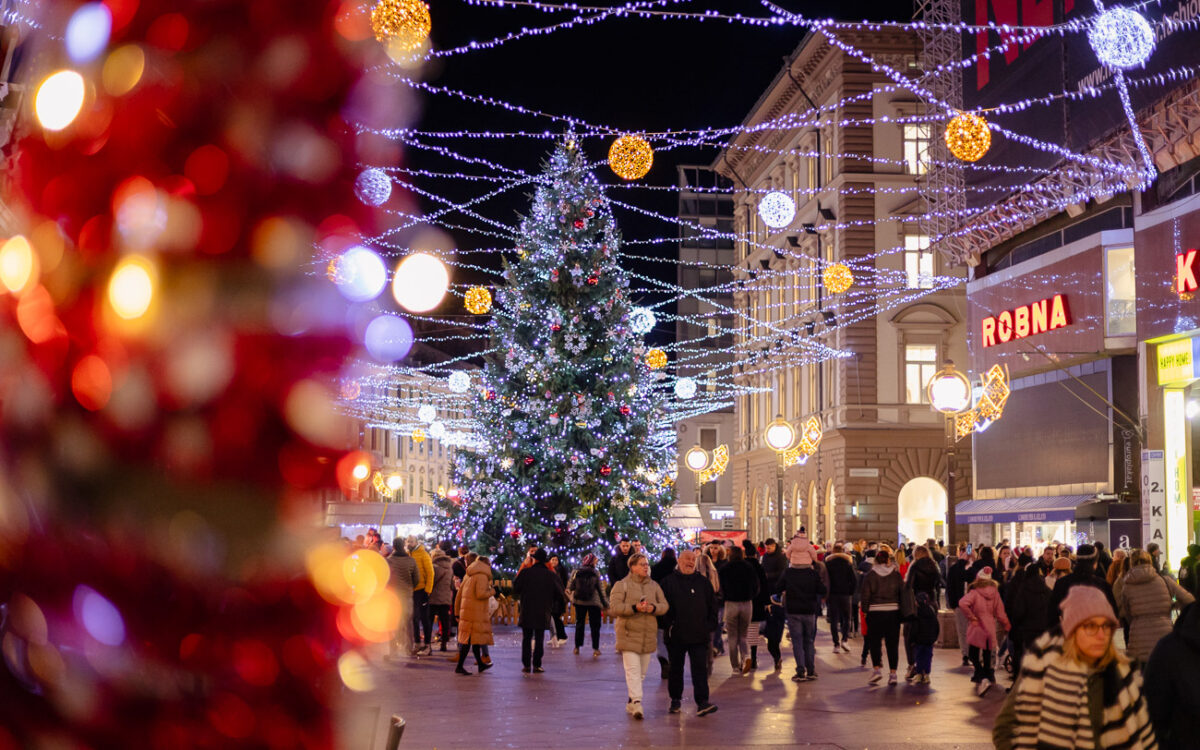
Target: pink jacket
(983,607)
(800,551)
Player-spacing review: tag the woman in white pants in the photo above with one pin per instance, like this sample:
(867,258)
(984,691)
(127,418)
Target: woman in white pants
(636,601)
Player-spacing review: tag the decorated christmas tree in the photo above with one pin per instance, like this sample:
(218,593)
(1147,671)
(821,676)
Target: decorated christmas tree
(573,450)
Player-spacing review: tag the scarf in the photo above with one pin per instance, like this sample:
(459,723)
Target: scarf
(1052,703)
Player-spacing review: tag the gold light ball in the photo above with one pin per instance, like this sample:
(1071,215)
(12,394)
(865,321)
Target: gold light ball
(656,359)
(478,300)
(630,157)
(838,278)
(403,24)
(418,436)
(968,136)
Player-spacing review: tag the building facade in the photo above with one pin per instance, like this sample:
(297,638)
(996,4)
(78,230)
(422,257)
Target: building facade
(859,360)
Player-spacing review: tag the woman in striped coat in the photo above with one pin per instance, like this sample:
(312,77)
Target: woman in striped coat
(1076,691)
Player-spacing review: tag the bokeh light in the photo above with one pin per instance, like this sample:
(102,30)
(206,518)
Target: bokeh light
(420,283)
(123,69)
(18,264)
(366,572)
(355,672)
(98,616)
(388,338)
(131,288)
(360,274)
(59,99)
(92,383)
(88,31)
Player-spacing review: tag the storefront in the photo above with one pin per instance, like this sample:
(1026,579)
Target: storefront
(390,519)
(1030,521)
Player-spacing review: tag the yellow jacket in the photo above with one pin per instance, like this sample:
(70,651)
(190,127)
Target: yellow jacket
(424,567)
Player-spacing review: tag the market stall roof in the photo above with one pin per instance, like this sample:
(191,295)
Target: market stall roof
(1041,509)
(685,516)
(372,514)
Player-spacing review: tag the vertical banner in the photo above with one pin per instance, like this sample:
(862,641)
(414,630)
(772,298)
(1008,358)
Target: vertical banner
(1154,497)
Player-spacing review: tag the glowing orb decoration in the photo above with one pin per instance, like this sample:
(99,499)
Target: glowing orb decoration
(656,359)
(437,430)
(18,264)
(131,288)
(1122,38)
(98,616)
(478,300)
(420,283)
(88,32)
(388,338)
(59,99)
(373,187)
(968,136)
(630,157)
(685,388)
(642,320)
(777,209)
(426,413)
(418,436)
(459,382)
(838,278)
(402,24)
(360,274)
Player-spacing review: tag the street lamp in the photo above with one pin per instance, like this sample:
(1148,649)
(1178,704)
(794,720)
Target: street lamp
(949,393)
(697,459)
(779,436)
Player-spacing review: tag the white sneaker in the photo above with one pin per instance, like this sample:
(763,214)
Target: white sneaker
(892,678)
(876,676)
(984,685)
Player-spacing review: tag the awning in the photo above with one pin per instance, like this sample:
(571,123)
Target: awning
(372,514)
(685,517)
(1020,509)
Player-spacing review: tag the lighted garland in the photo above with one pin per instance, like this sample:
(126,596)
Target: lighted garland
(630,157)
(838,278)
(403,24)
(968,136)
(478,300)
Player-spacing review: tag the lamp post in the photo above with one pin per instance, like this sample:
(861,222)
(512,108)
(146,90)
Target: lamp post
(779,436)
(949,393)
(697,459)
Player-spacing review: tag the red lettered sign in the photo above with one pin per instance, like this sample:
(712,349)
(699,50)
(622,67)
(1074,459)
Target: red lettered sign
(1048,314)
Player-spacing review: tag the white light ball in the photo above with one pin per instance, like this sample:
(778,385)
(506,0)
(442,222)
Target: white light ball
(459,381)
(373,186)
(88,32)
(777,209)
(1122,38)
(420,283)
(437,430)
(426,413)
(642,320)
(388,338)
(360,274)
(685,388)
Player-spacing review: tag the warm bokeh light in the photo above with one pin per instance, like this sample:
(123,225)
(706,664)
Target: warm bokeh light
(59,99)
(131,288)
(92,383)
(360,471)
(18,264)
(376,618)
(123,69)
(355,672)
(395,482)
(366,572)
(420,283)
(324,565)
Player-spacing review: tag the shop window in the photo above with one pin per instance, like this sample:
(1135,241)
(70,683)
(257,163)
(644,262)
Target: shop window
(916,147)
(1120,292)
(918,261)
(920,363)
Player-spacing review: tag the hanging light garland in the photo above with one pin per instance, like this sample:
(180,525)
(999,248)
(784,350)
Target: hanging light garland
(838,278)
(968,136)
(630,157)
(478,300)
(404,24)
(1122,38)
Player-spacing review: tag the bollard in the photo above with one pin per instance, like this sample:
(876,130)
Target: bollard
(395,732)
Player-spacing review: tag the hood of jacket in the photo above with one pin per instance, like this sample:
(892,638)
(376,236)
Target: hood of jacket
(988,590)
(883,570)
(1139,574)
(480,567)
(442,561)
(839,556)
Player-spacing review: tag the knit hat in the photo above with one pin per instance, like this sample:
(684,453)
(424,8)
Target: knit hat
(1084,602)
(985,574)
(589,560)
(1063,563)
(1085,552)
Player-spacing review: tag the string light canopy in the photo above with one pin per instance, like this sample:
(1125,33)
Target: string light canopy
(402,24)
(777,209)
(478,300)
(968,136)
(838,278)
(1122,38)
(656,359)
(630,157)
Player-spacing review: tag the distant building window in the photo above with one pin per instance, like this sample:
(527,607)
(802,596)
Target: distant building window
(918,261)
(920,363)
(916,147)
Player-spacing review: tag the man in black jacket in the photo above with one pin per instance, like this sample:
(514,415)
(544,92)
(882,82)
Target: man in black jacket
(618,565)
(687,628)
(842,584)
(774,563)
(956,587)
(540,592)
(802,589)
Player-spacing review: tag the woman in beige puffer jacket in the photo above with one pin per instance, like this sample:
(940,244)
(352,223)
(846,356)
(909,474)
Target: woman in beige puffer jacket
(1144,600)
(636,603)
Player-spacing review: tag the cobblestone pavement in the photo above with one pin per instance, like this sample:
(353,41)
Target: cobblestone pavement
(579,702)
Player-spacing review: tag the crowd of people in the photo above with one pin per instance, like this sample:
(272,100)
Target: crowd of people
(1049,618)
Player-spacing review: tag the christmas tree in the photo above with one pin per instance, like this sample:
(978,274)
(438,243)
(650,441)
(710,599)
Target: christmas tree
(573,450)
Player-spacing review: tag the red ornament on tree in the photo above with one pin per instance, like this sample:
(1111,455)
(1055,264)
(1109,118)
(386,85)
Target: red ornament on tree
(605,470)
(593,280)
(555,327)
(625,409)
(515,533)
(490,395)
(580,223)
(529,460)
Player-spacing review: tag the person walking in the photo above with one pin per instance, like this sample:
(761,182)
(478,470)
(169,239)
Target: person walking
(923,578)
(618,564)
(1076,690)
(925,633)
(839,567)
(739,583)
(636,600)
(586,593)
(403,578)
(983,607)
(758,612)
(881,602)
(1084,574)
(1027,606)
(690,618)
(560,609)
(422,616)
(539,590)
(774,563)
(956,587)
(441,598)
(1145,600)
(1187,570)
(659,571)
(802,588)
(1172,688)
(474,618)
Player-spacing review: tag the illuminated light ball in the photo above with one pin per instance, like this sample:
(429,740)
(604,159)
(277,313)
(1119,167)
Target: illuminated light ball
(123,69)
(88,32)
(642,320)
(418,436)
(395,482)
(478,300)
(437,430)
(402,24)
(605,470)
(777,209)
(459,382)
(18,264)
(59,99)
(1122,38)
(360,471)
(388,338)
(426,413)
(355,672)
(838,278)
(656,359)
(98,616)
(373,187)
(420,282)
(685,388)
(351,390)
(968,136)
(360,274)
(630,157)
(131,288)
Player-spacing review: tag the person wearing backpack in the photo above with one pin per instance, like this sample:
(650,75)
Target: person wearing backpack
(925,631)
(585,592)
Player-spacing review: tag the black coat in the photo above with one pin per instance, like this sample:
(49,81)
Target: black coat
(692,616)
(842,578)
(923,575)
(1028,606)
(541,592)
(763,596)
(1085,575)
(618,567)
(663,568)
(802,589)
(1171,687)
(773,565)
(739,582)
(956,583)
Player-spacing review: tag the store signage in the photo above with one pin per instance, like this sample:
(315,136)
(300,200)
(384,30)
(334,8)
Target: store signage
(1045,315)
(1187,270)
(864,473)
(1177,361)
(1154,497)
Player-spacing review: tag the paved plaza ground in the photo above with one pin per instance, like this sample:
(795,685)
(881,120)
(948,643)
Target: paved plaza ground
(580,703)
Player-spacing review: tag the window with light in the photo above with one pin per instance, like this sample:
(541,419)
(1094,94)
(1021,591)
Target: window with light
(920,365)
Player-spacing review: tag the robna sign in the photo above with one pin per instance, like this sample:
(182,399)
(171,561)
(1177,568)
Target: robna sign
(1027,320)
